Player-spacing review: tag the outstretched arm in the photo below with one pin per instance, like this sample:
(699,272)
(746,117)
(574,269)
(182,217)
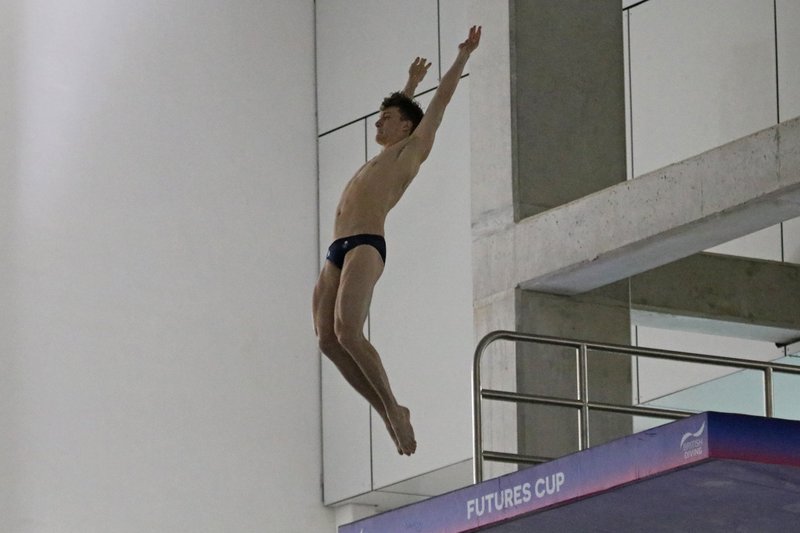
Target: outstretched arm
(426,131)
(416,73)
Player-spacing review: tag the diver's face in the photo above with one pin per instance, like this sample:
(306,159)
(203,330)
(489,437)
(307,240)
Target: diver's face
(391,127)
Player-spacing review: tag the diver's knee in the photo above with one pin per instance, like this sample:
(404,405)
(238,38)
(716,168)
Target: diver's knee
(328,343)
(348,336)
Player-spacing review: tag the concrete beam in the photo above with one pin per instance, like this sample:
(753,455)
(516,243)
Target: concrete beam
(721,294)
(725,193)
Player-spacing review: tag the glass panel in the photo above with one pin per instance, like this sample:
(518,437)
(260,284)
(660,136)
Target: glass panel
(643,423)
(606,368)
(659,378)
(499,426)
(547,431)
(499,366)
(738,392)
(785,387)
(529,429)
(605,426)
(493,469)
(547,370)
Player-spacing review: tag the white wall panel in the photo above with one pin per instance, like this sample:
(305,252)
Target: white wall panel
(162,372)
(341,154)
(454,24)
(422,309)
(703,74)
(764,244)
(788,35)
(345,414)
(626,52)
(364,48)
(659,378)
(11,466)
(791,241)
(346,438)
(788,14)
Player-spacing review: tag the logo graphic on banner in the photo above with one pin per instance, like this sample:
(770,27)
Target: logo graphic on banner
(692,443)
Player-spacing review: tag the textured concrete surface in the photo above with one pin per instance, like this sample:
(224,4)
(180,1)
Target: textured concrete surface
(722,294)
(567,100)
(674,212)
(557,135)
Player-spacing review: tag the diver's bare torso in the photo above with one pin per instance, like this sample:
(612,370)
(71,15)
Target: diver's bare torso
(376,188)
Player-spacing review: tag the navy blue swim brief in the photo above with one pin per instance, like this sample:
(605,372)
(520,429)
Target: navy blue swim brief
(340,247)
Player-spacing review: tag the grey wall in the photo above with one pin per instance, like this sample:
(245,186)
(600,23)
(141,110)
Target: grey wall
(158,370)
(568,101)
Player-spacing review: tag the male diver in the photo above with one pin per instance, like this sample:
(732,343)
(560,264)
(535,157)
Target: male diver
(355,260)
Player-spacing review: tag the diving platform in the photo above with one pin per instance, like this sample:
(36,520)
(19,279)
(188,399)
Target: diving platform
(715,472)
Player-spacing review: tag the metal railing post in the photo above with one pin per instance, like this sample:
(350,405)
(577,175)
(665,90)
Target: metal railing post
(583,370)
(477,428)
(768,392)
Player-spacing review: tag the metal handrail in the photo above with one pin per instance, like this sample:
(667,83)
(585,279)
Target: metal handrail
(583,403)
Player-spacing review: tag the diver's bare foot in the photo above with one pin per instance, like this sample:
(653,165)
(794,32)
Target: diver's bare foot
(404,433)
(391,433)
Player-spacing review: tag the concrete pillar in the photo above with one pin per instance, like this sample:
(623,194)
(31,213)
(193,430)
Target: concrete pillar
(602,316)
(548,123)
(493,256)
(567,100)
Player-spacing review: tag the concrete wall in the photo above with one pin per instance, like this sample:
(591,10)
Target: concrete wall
(157,234)
(421,320)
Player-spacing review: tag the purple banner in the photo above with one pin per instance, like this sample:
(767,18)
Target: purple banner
(668,447)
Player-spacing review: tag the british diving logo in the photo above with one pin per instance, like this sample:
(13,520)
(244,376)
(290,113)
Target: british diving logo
(693,444)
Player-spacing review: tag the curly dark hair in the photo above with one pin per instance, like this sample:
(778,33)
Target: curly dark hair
(409,108)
